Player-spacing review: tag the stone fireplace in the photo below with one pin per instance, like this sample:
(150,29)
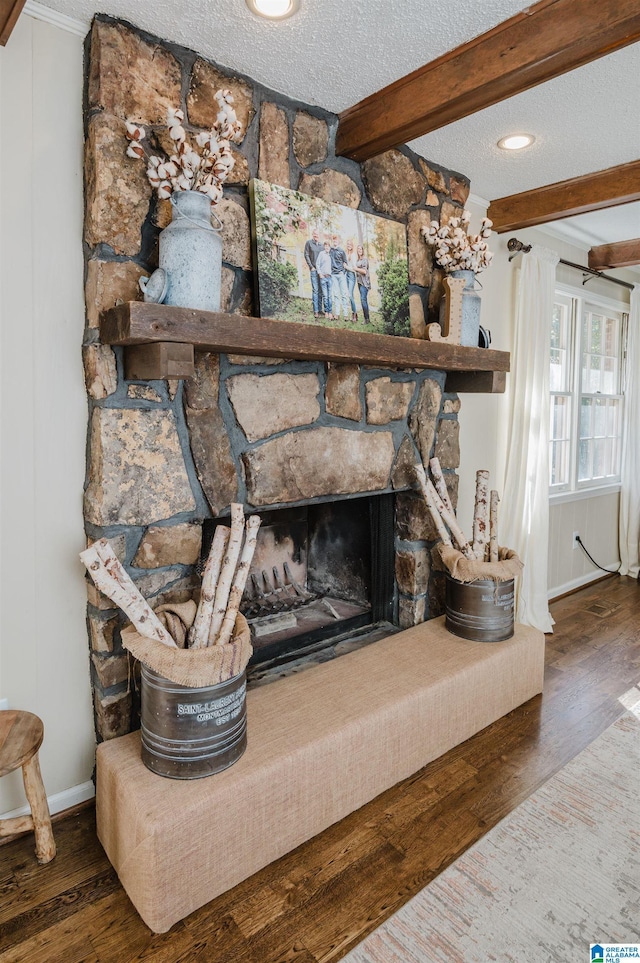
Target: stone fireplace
(322,442)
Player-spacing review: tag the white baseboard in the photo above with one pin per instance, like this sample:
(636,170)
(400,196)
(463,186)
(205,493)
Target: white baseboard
(583,580)
(60,800)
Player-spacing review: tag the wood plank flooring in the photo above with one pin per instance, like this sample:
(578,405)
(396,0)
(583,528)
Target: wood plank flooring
(319,901)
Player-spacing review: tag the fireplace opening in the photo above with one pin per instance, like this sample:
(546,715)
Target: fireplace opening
(319,572)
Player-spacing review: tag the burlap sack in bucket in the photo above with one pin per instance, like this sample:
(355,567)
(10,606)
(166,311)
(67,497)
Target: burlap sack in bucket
(193,668)
(470,570)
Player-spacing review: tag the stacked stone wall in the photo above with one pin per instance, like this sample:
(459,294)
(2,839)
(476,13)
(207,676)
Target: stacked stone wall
(165,455)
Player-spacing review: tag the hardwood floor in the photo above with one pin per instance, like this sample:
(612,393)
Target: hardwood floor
(319,901)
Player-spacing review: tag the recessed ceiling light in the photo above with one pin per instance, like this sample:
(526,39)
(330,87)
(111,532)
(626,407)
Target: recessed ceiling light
(273,9)
(516,141)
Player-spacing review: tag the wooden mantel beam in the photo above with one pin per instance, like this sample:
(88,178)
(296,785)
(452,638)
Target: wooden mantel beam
(10,10)
(616,255)
(578,195)
(539,43)
(161,336)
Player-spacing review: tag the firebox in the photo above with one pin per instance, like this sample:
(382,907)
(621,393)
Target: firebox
(319,571)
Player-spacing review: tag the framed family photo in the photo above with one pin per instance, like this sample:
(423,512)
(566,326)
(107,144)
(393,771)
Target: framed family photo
(322,263)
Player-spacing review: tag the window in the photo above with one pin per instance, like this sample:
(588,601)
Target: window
(586,397)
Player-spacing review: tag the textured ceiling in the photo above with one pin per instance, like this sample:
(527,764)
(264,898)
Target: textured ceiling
(333,53)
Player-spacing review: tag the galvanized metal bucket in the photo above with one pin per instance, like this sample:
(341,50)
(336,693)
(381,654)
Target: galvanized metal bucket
(482,611)
(190,733)
(190,271)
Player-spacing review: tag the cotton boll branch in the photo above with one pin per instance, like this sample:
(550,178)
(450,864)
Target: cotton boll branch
(455,248)
(186,169)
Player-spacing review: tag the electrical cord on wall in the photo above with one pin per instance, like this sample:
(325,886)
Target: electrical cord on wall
(591,559)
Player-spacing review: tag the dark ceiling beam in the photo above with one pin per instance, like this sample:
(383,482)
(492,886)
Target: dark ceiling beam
(616,255)
(10,10)
(545,40)
(579,195)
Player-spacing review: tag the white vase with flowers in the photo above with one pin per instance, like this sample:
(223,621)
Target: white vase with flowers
(190,248)
(462,254)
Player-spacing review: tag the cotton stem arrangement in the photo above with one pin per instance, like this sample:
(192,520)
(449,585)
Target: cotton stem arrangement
(223,584)
(455,249)
(186,169)
(484,546)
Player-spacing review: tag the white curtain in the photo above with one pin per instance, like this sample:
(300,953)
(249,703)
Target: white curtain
(525,511)
(630,492)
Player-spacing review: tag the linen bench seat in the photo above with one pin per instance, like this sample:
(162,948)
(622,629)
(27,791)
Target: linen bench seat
(321,744)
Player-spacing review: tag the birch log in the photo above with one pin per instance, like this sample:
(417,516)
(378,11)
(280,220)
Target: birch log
(427,488)
(199,631)
(227,571)
(240,580)
(440,484)
(480,514)
(493,527)
(441,515)
(112,580)
(430,496)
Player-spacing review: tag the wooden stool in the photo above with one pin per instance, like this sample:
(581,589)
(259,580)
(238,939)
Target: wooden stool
(21,735)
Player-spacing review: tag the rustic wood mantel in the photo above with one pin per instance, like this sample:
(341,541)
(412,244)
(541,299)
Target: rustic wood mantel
(144,328)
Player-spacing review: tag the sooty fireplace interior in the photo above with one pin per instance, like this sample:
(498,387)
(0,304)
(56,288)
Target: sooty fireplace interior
(319,571)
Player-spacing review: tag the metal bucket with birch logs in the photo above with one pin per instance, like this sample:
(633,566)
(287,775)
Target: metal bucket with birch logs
(482,611)
(188,733)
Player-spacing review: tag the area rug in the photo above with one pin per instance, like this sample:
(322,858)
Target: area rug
(561,872)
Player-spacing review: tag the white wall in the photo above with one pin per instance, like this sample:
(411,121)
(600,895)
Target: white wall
(484,420)
(44,659)
(596,519)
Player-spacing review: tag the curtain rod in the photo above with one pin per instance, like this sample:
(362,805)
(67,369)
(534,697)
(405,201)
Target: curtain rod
(516,247)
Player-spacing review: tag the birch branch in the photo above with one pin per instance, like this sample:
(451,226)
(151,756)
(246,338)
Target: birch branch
(440,484)
(430,496)
(458,535)
(441,515)
(112,580)
(199,631)
(480,514)
(227,571)
(493,527)
(240,580)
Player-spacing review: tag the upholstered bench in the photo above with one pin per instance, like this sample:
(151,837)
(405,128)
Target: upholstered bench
(321,744)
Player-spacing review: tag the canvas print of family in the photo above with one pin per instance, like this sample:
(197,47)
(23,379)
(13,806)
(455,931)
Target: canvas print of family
(322,263)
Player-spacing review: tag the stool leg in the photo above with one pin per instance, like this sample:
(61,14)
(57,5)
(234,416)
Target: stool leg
(34,789)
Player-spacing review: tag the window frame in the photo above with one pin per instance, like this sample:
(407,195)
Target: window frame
(578,299)
(569,390)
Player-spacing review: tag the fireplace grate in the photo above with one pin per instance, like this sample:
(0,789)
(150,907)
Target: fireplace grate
(272,593)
